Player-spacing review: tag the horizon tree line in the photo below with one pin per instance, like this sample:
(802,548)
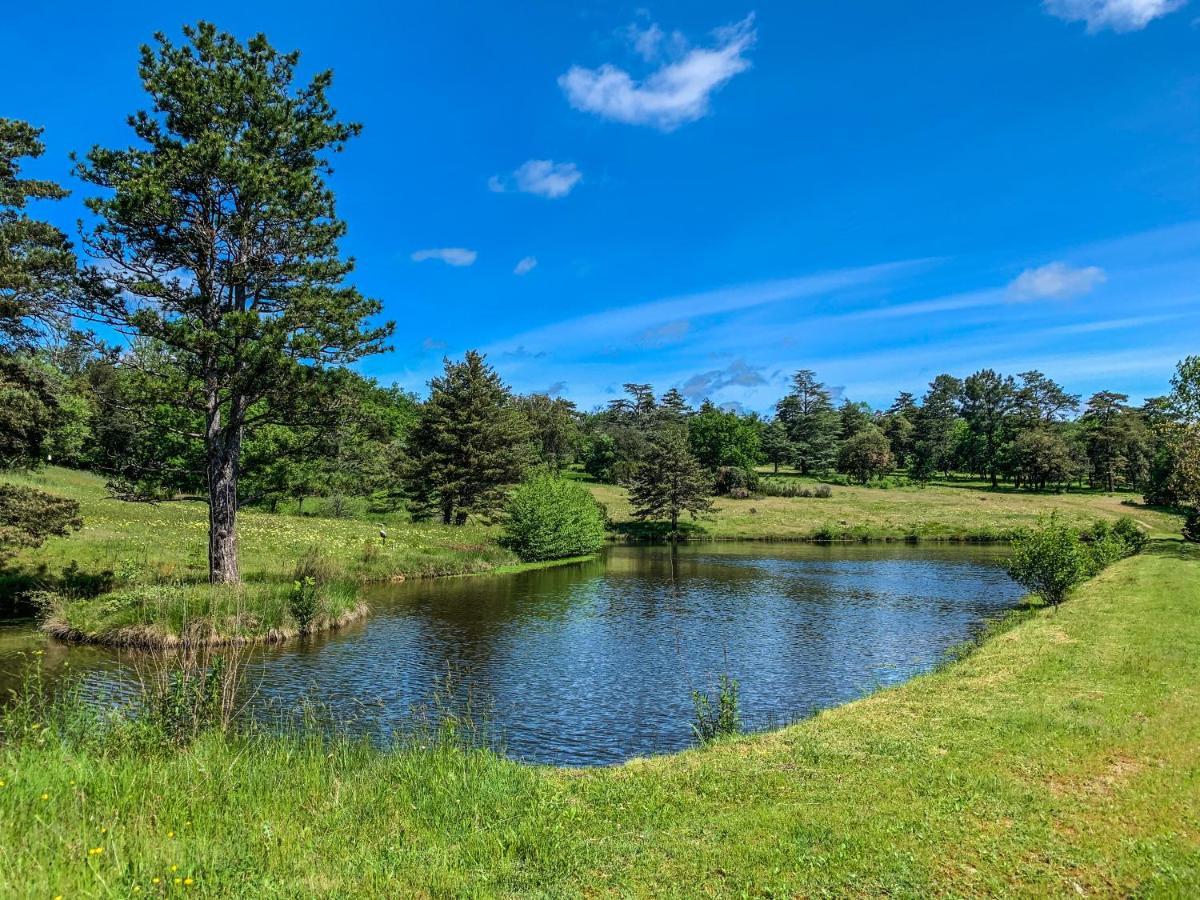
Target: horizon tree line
(214,256)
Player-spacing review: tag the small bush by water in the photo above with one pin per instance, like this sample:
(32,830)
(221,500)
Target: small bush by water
(720,717)
(552,518)
(1053,558)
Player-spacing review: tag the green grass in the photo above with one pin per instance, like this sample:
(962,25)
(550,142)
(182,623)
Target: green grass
(155,558)
(961,510)
(1060,758)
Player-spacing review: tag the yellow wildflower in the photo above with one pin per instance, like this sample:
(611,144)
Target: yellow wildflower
(174,868)
(95,851)
(187,881)
(45,796)
(170,834)
(156,880)
(179,881)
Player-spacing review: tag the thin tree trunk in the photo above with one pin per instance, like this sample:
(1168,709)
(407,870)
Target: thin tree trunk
(223,447)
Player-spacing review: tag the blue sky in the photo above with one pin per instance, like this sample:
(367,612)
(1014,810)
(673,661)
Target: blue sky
(710,195)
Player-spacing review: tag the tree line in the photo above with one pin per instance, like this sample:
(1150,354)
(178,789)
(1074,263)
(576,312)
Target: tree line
(197,344)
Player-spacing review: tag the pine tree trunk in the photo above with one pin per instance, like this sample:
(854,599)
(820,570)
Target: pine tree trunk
(223,446)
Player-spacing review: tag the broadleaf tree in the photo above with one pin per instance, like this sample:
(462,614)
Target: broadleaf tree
(217,239)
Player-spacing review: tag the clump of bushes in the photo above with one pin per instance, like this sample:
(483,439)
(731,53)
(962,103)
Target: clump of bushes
(1052,559)
(548,517)
(735,482)
(771,488)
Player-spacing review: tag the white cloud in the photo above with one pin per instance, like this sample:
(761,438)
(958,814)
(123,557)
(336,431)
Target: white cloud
(676,93)
(1056,281)
(543,177)
(525,266)
(451,256)
(645,41)
(1119,15)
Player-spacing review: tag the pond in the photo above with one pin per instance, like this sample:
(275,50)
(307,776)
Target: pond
(594,663)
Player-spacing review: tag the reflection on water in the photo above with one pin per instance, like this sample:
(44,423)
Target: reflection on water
(595,663)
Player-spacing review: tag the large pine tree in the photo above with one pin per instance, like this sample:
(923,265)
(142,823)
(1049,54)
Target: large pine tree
(218,241)
(470,443)
(669,481)
(812,424)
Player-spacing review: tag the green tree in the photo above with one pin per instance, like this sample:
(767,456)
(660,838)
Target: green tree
(470,443)
(1039,457)
(555,430)
(1040,400)
(218,239)
(812,423)
(865,455)
(776,445)
(854,417)
(934,427)
(720,437)
(988,400)
(669,481)
(547,517)
(1112,435)
(37,269)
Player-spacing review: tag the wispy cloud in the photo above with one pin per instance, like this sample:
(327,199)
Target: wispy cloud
(667,333)
(555,389)
(542,177)
(1056,281)
(624,323)
(525,266)
(676,93)
(737,373)
(430,345)
(1118,15)
(451,256)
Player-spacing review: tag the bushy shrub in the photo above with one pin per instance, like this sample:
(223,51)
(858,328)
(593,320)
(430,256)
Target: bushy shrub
(771,488)
(1049,560)
(1107,543)
(1191,527)
(734,481)
(552,518)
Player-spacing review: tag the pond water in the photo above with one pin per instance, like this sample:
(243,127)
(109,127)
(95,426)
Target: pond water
(595,662)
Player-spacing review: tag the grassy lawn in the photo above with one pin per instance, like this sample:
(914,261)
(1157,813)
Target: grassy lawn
(1061,758)
(940,511)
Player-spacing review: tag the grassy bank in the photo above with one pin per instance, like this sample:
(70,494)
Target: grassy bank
(1062,757)
(136,574)
(962,511)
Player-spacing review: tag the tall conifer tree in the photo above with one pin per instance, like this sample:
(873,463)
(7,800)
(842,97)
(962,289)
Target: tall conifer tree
(218,240)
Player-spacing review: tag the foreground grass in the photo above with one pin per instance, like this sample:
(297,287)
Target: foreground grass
(941,511)
(1061,758)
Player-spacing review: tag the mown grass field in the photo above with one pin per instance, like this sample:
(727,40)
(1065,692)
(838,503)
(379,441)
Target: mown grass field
(1061,758)
(966,510)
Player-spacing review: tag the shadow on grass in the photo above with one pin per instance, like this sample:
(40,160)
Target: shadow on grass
(657,532)
(17,584)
